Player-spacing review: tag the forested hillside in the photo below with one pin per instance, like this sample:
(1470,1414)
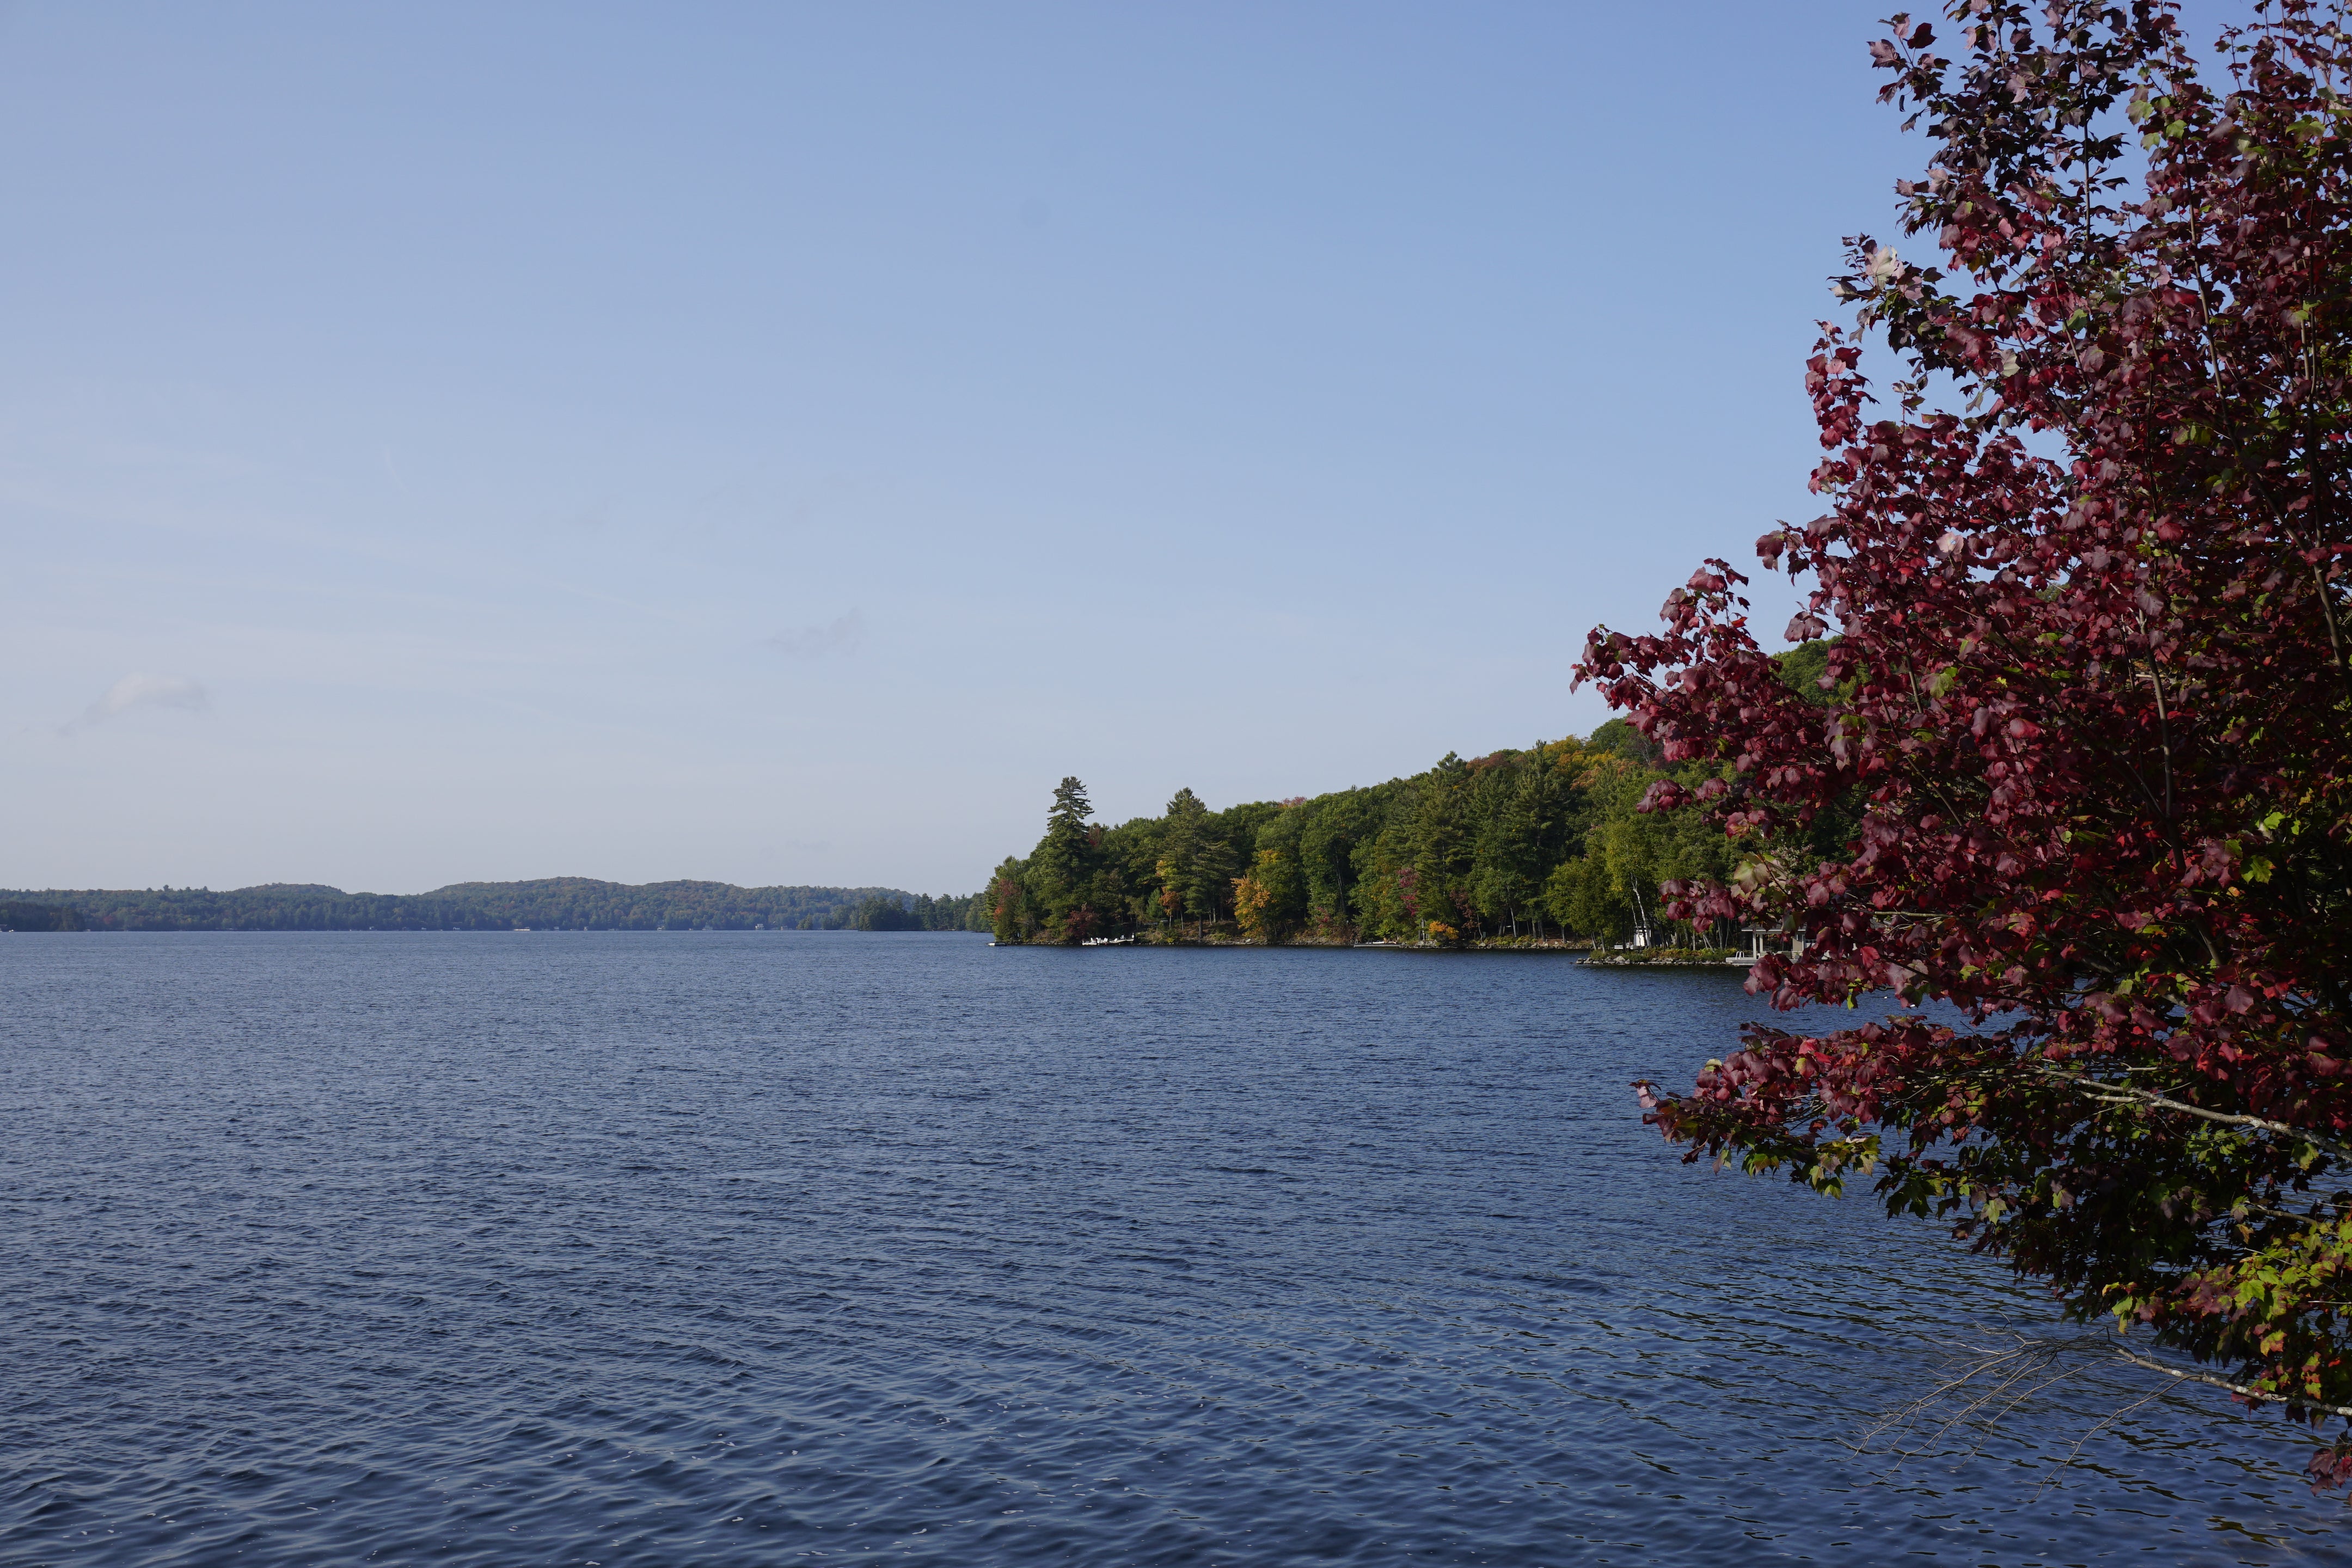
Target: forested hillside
(1544,843)
(556,902)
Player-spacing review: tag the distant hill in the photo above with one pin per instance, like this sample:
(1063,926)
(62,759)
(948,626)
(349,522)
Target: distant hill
(553,902)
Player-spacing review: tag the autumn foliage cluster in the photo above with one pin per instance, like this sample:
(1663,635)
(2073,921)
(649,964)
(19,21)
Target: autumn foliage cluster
(2088,576)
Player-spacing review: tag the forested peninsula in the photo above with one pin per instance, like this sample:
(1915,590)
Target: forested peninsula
(550,903)
(1535,847)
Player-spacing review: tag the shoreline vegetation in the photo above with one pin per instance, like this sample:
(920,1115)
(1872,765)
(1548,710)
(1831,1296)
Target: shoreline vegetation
(1596,953)
(554,903)
(1537,849)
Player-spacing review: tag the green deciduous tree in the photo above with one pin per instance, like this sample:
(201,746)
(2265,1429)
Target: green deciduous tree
(1550,836)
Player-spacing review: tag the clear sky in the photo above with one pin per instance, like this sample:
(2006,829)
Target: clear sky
(776,443)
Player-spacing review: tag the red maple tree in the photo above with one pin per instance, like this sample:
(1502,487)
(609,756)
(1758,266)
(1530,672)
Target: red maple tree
(2080,761)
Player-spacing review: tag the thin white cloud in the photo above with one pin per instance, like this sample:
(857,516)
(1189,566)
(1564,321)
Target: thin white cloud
(839,635)
(139,691)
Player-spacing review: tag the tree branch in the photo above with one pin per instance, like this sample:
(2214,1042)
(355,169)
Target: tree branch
(2127,1094)
(2239,1389)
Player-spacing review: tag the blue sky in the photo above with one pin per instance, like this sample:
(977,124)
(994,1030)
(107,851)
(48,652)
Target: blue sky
(777,443)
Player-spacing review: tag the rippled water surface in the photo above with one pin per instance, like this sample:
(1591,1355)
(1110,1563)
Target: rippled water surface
(737,1247)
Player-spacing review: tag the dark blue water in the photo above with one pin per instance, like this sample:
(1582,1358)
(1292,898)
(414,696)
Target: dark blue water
(670,1249)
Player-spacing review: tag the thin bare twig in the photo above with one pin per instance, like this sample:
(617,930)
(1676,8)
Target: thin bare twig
(2109,1420)
(1993,1380)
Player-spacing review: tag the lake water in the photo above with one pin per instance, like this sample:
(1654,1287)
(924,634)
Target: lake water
(659,1248)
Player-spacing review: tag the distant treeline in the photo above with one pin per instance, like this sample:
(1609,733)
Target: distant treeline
(555,902)
(1540,843)
(38,917)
